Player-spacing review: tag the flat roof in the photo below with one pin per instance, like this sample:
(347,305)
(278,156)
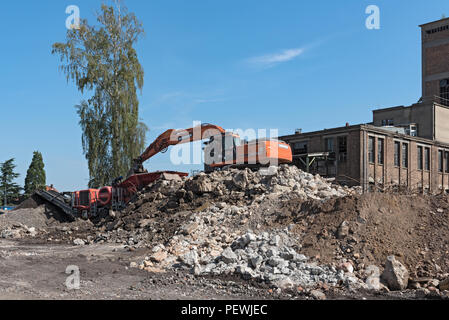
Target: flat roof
(391,108)
(434,22)
(365,127)
(324,131)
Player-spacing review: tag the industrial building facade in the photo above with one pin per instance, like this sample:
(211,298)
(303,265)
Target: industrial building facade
(367,155)
(402,146)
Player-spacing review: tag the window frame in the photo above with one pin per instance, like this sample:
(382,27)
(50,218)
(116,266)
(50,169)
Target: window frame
(371,150)
(342,146)
(440,161)
(446,157)
(420,156)
(405,155)
(427,159)
(380,151)
(397,154)
(329,144)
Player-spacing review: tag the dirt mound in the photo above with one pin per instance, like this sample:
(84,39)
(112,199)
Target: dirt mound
(31,203)
(32,213)
(366,229)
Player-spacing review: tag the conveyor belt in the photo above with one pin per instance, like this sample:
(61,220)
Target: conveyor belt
(57,199)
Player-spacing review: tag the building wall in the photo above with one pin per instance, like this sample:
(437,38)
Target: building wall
(345,168)
(420,113)
(400,115)
(410,175)
(378,175)
(435,51)
(442,123)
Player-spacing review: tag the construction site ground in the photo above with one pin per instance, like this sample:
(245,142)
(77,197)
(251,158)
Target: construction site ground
(35,271)
(233,235)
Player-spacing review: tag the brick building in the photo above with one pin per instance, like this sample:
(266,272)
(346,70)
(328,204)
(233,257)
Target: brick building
(435,66)
(402,146)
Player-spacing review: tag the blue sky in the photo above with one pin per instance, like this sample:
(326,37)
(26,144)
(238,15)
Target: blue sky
(237,63)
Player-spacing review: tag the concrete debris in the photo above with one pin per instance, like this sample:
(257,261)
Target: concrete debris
(290,230)
(343,230)
(79,242)
(373,278)
(318,295)
(18,231)
(395,275)
(444,285)
(269,257)
(287,182)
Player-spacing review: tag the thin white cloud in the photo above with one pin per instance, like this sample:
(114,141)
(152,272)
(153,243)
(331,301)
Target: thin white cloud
(199,101)
(270,60)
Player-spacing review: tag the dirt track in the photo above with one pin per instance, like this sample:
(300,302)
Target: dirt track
(37,272)
(30,271)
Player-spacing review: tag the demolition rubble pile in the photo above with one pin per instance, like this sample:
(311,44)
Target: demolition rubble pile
(284,183)
(221,205)
(271,257)
(217,238)
(22,223)
(283,227)
(31,218)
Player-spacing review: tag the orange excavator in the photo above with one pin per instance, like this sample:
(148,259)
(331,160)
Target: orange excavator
(223,149)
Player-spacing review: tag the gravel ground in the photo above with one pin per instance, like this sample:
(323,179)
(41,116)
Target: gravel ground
(36,271)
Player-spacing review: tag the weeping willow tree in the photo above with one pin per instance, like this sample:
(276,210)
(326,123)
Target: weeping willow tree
(102,60)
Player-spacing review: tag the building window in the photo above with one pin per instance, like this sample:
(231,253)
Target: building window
(342,148)
(414,130)
(371,150)
(397,153)
(427,159)
(300,148)
(446,156)
(420,166)
(439,29)
(440,161)
(405,155)
(329,144)
(444,92)
(380,151)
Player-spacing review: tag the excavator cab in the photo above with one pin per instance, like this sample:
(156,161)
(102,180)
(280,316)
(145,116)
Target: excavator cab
(221,149)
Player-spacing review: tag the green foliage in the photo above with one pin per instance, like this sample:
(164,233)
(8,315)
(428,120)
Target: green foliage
(9,190)
(102,59)
(35,178)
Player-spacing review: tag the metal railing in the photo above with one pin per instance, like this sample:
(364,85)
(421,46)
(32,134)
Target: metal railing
(436,99)
(393,187)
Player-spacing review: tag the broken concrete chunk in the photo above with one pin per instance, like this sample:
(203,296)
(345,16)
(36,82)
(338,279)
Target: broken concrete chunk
(444,285)
(79,242)
(318,295)
(159,256)
(228,256)
(343,230)
(395,275)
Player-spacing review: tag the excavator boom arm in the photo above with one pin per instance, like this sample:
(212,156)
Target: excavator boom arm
(173,137)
